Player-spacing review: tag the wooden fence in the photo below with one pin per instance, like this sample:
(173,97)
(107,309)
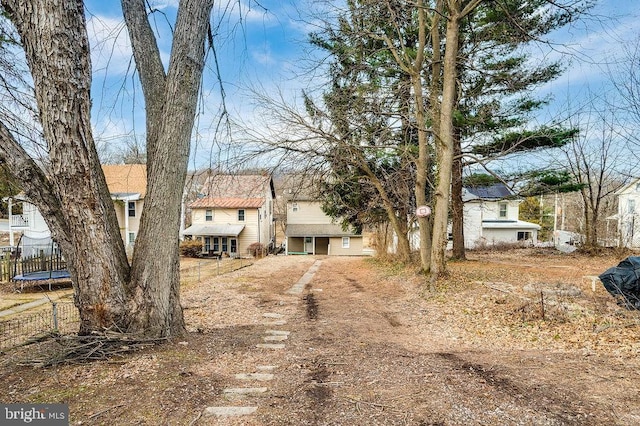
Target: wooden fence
(10,267)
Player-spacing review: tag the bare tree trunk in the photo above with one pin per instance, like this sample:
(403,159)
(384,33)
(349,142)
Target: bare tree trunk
(398,224)
(73,196)
(171,103)
(445,146)
(457,204)
(422,162)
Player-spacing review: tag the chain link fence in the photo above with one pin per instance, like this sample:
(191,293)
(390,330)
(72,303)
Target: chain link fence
(63,318)
(57,317)
(203,269)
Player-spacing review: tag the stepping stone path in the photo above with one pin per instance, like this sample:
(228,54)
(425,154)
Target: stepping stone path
(270,346)
(262,377)
(229,411)
(275,323)
(244,391)
(263,374)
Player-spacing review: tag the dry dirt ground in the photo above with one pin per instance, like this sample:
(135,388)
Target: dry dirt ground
(513,338)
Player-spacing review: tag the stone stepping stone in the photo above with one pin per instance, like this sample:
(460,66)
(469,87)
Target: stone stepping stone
(229,411)
(270,345)
(275,323)
(244,391)
(277,338)
(262,377)
(272,315)
(266,367)
(278,332)
(298,287)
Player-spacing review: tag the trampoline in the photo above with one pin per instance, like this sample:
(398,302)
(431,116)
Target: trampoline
(43,275)
(40,260)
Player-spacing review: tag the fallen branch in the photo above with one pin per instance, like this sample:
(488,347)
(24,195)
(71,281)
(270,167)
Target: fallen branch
(79,349)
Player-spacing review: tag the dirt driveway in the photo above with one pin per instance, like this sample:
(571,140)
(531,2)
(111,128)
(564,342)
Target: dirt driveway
(509,339)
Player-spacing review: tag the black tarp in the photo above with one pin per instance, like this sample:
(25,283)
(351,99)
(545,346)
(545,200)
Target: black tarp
(623,282)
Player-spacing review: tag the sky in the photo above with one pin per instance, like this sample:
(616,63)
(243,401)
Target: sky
(262,45)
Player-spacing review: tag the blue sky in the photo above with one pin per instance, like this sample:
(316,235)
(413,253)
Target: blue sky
(262,45)
(255,45)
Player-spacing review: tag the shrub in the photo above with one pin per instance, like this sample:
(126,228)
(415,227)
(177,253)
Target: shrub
(257,250)
(191,248)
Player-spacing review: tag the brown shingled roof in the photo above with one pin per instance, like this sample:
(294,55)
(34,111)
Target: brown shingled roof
(126,178)
(228,203)
(237,186)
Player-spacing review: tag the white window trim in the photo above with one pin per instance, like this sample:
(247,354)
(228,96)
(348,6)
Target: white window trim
(346,242)
(129,209)
(500,210)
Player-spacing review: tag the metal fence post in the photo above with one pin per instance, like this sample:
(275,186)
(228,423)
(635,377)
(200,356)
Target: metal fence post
(55,316)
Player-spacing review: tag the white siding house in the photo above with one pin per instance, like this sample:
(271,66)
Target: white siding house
(127,184)
(629,215)
(491,217)
(29,223)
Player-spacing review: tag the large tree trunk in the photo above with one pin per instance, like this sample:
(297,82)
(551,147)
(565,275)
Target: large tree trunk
(73,195)
(171,102)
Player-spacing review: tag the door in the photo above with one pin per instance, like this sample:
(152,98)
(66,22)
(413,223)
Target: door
(308,244)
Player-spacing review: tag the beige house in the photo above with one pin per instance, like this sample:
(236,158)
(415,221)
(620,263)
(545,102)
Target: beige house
(310,231)
(235,212)
(128,186)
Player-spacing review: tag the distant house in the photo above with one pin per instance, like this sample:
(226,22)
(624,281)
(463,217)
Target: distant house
(29,223)
(235,212)
(628,216)
(127,185)
(491,217)
(310,231)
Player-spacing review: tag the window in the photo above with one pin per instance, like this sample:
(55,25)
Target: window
(345,242)
(207,244)
(241,215)
(524,235)
(216,244)
(294,207)
(503,210)
(234,245)
(208,215)
(631,206)
(131,207)
(225,247)
(132,237)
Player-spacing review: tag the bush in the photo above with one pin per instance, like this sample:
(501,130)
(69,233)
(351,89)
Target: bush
(257,250)
(191,248)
